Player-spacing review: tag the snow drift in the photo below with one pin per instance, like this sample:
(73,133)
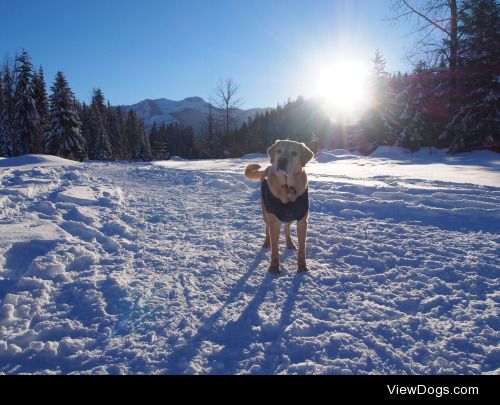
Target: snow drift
(157,268)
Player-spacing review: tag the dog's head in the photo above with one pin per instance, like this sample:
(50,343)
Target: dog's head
(289,157)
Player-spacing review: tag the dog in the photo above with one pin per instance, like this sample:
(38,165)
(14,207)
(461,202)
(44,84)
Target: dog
(284,197)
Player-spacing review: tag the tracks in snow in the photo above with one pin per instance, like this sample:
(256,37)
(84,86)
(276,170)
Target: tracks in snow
(138,268)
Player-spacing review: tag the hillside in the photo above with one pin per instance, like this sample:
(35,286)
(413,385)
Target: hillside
(192,111)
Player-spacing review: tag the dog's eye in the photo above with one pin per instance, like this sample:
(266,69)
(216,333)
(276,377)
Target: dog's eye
(278,151)
(294,153)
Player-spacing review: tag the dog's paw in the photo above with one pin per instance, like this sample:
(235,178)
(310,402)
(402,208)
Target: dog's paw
(274,269)
(302,269)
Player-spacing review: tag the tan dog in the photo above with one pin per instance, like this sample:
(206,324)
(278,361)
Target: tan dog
(284,197)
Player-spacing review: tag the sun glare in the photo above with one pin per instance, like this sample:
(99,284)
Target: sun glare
(343,87)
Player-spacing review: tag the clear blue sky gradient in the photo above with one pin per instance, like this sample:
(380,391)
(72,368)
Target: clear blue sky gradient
(137,49)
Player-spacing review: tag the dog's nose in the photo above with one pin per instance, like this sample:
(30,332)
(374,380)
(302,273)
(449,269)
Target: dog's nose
(282,162)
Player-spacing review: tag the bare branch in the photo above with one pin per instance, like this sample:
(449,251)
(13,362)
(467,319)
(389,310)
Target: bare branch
(224,99)
(420,14)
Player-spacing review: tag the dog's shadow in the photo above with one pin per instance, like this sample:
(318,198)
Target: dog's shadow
(236,336)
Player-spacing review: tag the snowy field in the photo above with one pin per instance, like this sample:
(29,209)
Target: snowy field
(157,268)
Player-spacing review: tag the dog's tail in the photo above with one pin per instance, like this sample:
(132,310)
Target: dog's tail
(252,172)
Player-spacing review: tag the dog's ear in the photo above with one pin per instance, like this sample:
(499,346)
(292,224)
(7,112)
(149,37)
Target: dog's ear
(270,151)
(306,154)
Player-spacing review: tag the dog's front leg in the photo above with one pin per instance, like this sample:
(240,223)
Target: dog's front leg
(274,231)
(301,236)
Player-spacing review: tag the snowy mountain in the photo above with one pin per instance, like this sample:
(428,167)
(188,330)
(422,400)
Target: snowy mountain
(110,267)
(192,111)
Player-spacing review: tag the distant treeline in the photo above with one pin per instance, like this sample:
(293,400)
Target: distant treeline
(428,107)
(431,106)
(31,121)
(457,109)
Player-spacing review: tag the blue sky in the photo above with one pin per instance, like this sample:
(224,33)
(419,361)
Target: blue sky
(136,49)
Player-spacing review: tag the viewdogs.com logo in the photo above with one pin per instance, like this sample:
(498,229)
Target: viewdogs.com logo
(430,390)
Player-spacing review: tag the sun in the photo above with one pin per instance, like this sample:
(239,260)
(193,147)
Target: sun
(342,86)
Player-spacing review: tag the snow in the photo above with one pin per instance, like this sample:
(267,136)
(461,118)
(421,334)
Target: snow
(337,154)
(31,161)
(83,195)
(157,268)
(176,159)
(394,163)
(432,165)
(251,156)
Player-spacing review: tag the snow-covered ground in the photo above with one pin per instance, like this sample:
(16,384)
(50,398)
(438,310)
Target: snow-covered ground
(157,268)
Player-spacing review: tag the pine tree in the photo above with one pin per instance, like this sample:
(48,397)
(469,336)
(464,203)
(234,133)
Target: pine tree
(102,146)
(98,101)
(476,123)
(26,134)
(378,69)
(380,125)
(186,144)
(139,147)
(131,133)
(41,102)
(444,102)
(423,112)
(114,131)
(413,116)
(7,115)
(65,138)
(142,146)
(85,118)
(209,142)
(101,149)
(122,128)
(2,147)
(157,142)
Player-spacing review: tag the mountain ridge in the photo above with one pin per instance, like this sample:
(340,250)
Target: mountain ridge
(191,111)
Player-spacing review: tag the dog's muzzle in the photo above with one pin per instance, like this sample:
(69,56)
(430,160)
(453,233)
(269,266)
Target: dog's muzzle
(282,164)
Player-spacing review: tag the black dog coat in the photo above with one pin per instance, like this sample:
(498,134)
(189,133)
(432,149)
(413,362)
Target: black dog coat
(292,211)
